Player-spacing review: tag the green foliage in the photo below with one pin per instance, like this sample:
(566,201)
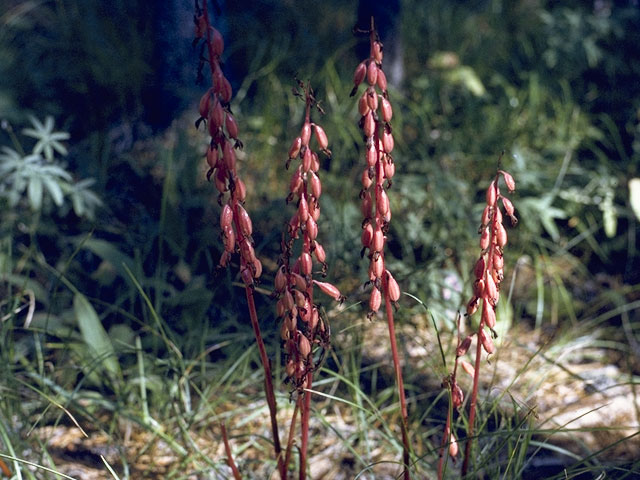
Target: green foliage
(40,176)
(138,322)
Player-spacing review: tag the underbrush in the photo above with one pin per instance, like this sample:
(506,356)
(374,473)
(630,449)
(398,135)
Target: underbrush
(173,319)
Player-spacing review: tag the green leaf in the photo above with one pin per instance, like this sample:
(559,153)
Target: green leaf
(634,196)
(35,193)
(95,336)
(54,190)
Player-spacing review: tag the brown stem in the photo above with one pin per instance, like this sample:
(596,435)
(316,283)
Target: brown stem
(292,429)
(445,437)
(472,405)
(403,402)
(268,383)
(227,448)
(305,409)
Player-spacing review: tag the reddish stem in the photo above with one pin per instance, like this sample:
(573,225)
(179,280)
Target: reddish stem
(400,384)
(227,448)
(476,374)
(305,400)
(292,429)
(268,383)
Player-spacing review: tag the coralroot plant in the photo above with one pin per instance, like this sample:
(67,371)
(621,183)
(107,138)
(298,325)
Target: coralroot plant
(488,276)
(376,111)
(235,222)
(303,326)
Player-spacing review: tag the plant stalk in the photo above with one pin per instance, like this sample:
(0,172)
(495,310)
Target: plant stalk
(268,382)
(400,384)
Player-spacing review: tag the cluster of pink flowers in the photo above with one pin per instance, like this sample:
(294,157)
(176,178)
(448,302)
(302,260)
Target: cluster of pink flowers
(489,269)
(302,324)
(214,109)
(376,112)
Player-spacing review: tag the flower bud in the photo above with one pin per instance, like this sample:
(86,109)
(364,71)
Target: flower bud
(382,80)
(212,157)
(457,396)
(372,156)
(216,116)
(393,289)
(321,137)
(294,150)
(316,185)
(366,179)
(220,179)
(315,162)
(468,368)
(486,215)
(296,181)
(509,181)
(490,289)
(478,270)
(247,251)
(377,266)
(299,298)
(375,300)
(369,125)
(205,102)
(226,217)
(387,140)
(306,263)
(501,235)
(257,268)
(367,204)
(359,74)
(372,73)
(367,235)
(229,156)
(240,191)
(378,240)
(217,42)
(363,106)
(463,348)
(492,194)
(303,209)
(329,289)
(488,314)
(311,228)
(280,281)
(487,342)
(453,446)
(229,239)
(306,160)
(389,168)
(484,238)
(225,90)
(472,306)
(287,300)
(305,134)
(232,126)
(498,261)
(382,201)
(319,252)
(372,98)
(246,227)
(304,347)
(313,321)
(376,51)
(387,111)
